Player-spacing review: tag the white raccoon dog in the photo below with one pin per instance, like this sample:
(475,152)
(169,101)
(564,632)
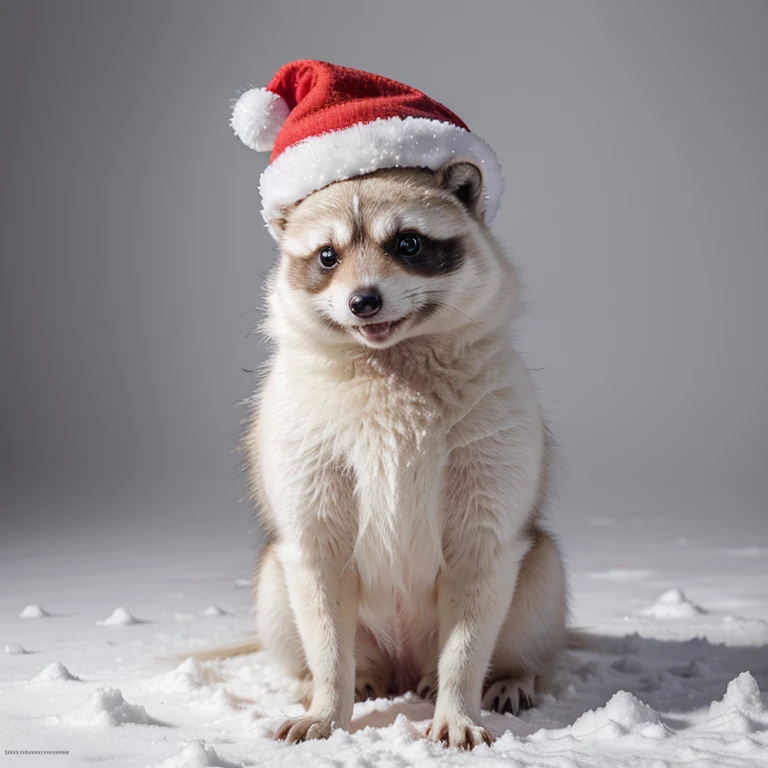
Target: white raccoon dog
(398,459)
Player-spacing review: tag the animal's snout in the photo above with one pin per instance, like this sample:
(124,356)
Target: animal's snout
(365,303)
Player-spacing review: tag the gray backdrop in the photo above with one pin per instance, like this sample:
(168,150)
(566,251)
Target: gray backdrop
(634,138)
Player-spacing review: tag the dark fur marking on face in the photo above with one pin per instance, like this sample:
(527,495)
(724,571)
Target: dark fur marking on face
(436,257)
(307,274)
(425,311)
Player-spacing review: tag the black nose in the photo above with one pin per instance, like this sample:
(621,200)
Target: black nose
(365,303)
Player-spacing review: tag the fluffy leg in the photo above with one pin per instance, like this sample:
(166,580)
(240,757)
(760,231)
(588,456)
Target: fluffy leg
(373,671)
(324,601)
(275,625)
(472,603)
(534,631)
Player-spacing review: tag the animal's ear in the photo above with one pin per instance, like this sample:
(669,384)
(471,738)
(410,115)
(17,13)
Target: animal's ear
(277,227)
(278,224)
(464,180)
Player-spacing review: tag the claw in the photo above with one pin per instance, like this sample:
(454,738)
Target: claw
(303,728)
(510,695)
(462,735)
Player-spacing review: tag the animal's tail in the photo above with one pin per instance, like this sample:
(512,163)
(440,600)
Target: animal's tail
(222,652)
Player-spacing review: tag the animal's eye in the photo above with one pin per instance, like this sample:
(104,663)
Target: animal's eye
(328,258)
(407,245)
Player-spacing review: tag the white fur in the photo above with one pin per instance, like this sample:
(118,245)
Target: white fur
(401,484)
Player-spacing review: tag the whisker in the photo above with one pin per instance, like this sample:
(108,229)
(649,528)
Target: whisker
(455,309)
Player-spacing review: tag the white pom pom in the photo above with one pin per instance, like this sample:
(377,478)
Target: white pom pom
(257,117)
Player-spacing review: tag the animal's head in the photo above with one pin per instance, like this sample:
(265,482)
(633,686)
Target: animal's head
(388,256)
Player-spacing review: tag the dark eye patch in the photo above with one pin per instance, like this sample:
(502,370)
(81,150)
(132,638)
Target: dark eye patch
(434,257)
(308,274)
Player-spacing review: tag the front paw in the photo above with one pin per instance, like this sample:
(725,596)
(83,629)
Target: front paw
(304,728)
(458,731)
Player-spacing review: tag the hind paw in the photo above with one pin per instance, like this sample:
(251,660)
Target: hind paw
(369,688)
(510,695)
(427,687)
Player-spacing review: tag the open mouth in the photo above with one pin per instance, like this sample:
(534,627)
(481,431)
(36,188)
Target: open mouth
(379,332)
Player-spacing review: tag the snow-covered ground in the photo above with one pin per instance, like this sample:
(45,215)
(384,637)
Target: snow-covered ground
(673,677)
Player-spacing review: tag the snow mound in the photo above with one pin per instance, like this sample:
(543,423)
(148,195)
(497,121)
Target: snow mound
(33,611)
(14,649)
(622,715)
(197,754)
(630,665)
(213,611)
(742,695)
(105,708)
(54,671)
(673,604)
(190,675)
(120,617)
(404,731)
(222,700)
(697,668)
(623,574)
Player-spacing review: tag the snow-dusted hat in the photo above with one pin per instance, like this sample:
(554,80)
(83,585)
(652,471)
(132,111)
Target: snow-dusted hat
(325,123)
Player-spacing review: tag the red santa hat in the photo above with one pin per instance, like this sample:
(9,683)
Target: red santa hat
(325,123)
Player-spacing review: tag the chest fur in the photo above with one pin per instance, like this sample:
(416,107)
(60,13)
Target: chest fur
(397,451)
(393,435)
